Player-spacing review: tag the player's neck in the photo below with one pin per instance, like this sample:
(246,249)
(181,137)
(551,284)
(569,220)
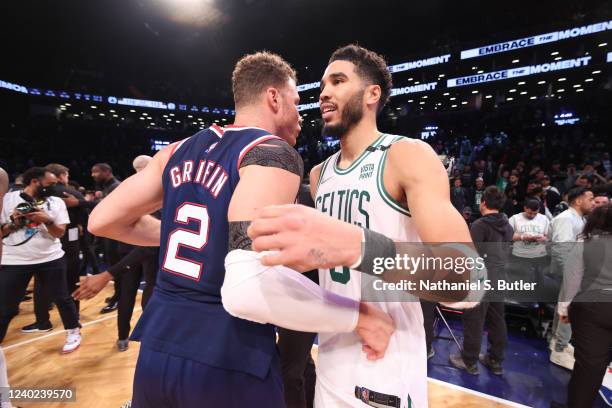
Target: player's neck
(251,118)
(356,140)
(577,209)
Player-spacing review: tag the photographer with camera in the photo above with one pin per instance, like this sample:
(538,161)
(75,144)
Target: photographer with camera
(32,222)
(70,240)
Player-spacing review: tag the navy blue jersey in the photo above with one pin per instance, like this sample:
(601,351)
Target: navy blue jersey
(185,316)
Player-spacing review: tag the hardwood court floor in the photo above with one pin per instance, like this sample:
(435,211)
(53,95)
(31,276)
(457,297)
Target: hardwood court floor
(102,376)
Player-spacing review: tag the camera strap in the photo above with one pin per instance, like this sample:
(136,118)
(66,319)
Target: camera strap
(21,243)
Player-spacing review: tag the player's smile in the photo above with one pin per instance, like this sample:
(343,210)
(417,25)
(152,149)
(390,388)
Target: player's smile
(327,111)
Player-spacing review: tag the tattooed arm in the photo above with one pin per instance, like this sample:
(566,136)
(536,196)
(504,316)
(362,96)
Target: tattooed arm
(269,173)
(278,295)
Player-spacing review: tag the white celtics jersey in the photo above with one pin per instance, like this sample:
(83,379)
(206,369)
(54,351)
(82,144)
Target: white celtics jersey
(345,377)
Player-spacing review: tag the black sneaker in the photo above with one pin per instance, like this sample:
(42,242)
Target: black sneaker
(457,361)
(493,365)
(123,345)
(110,307)
(37,327)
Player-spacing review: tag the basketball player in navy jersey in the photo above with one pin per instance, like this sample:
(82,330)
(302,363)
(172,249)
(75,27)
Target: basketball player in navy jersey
(193,353)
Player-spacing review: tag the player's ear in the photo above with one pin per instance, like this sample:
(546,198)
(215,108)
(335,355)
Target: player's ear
(273,99)
(372,94)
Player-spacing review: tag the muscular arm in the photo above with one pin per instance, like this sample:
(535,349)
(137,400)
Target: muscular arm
(280,168)
(123,214)
(421,181)
(308,239)
(271,175)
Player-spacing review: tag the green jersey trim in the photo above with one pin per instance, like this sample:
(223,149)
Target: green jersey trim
(392,202)
(359,159)
(321,173)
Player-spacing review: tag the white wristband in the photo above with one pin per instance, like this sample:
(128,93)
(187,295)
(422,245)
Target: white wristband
(356,264)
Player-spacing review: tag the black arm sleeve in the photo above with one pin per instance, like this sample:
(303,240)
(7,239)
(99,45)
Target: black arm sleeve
(135,257)
(275,153)
(238,238)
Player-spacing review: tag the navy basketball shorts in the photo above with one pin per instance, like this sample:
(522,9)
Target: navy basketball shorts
(166,381)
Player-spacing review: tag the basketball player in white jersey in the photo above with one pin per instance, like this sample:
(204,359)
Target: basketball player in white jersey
(384,183)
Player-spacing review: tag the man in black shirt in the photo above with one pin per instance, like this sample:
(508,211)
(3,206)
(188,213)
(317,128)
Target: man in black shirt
(494,230)
(70,240)
(106,182)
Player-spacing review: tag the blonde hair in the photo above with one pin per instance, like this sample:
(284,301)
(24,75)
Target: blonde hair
(255,72)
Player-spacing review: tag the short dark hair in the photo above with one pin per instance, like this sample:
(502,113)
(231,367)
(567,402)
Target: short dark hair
(599,221)
(33,173)
(253,73)
(576,192)
(104,167)
(493,198)
(532,204)
(370,66)
(57,169)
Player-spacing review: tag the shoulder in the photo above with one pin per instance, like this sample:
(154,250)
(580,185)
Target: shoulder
(478,223)
(273,152)
(12,196)
(56,202)
(408,152)
(565,215)
(315,172)
(408,144)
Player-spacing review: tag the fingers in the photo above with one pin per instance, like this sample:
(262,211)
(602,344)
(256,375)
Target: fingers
(272,242)
(372,354)
(274,211)
(76,294)
(82,293)
(262,227)
(288,258)
(270,226)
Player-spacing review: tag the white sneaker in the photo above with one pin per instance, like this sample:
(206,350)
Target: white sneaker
(569,349)
(562,359)
(73,341)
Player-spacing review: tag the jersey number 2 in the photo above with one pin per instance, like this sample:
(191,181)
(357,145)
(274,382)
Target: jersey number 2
(180,237)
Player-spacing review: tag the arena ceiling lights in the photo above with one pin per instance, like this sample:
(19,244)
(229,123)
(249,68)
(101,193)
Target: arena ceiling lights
(479,77)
